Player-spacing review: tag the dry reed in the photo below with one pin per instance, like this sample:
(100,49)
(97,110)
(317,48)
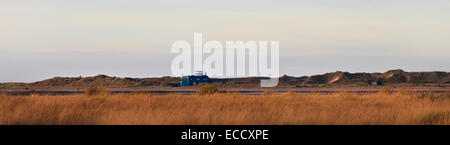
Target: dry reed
(229,108)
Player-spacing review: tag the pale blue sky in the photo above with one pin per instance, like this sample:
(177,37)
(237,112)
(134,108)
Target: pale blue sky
(48,38)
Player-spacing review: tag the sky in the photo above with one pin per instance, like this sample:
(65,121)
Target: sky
(132,38)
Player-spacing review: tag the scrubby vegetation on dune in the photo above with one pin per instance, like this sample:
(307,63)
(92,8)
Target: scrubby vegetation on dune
(220,108)
(342,79)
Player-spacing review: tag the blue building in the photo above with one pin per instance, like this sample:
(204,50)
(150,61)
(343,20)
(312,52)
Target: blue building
(196,79)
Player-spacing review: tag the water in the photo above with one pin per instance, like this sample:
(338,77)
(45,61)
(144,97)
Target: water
(76,92)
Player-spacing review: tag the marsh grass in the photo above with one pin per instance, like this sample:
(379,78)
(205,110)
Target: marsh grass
(435,118)
(387,91)
(267,93)
(227,108)
(208,89)
(96,91)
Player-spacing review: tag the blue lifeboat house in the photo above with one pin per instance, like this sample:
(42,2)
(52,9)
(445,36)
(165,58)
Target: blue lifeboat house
(198,78)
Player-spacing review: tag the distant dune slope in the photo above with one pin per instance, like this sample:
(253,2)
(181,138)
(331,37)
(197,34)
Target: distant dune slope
(391,77)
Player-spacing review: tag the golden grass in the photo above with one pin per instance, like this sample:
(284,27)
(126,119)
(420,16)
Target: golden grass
(289,108)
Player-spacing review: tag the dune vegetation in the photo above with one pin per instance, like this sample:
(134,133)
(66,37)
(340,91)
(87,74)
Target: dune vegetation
(385,107)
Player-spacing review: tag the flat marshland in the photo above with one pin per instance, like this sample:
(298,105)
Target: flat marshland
(229,109)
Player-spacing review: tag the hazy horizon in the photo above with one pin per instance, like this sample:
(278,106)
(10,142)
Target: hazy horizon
(49,38)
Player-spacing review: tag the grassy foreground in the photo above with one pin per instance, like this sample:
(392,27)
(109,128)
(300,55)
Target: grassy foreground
(382,108)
